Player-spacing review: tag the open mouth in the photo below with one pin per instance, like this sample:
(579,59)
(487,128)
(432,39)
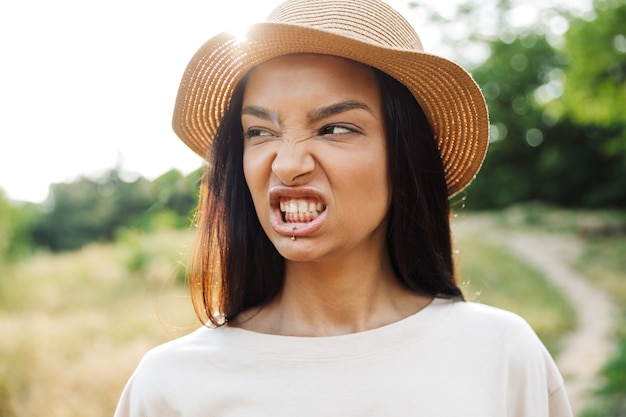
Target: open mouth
(300,210)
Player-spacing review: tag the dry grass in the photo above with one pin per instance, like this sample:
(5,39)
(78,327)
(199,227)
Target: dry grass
(75,325)
(604,262)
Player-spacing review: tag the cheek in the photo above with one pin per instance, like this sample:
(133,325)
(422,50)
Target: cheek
(252,167)
(376,169)
(256,174)
(378,190)
(366,180)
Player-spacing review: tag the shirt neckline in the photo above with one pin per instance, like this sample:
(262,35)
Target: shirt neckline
(338,347)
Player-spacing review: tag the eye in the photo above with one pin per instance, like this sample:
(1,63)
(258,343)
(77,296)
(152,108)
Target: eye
(257,133)
(335,130)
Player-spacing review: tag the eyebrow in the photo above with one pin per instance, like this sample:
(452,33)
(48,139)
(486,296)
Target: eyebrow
(313,115)
(260,112)
(327,111)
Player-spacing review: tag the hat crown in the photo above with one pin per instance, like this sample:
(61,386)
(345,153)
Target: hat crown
(352,19)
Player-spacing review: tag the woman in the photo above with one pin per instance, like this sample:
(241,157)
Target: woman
(323,270)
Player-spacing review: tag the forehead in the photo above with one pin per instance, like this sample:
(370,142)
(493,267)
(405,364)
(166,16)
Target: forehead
(311,77)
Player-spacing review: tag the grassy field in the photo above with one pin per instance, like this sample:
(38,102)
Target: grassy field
(604,262)
(75,325)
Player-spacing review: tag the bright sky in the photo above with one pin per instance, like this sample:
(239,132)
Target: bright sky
(86,85)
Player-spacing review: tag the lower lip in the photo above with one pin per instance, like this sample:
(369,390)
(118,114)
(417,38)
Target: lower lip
(301,229)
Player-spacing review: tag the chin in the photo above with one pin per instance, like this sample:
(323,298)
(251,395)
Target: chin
(298,250)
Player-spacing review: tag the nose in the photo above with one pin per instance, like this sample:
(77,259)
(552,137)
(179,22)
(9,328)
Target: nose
(293,162)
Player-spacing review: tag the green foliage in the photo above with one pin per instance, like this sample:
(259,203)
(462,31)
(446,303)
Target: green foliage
(533,154)
(141,253)
(16,220)
(610,400)
(509,78)
(90,209)
(569,169)
(175,191)
(556,103)
(604,261)
(595,83)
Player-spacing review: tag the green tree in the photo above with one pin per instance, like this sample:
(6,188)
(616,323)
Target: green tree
(595,77)
(90,209)
(177,194)
(16,220)
(556,102)
(509,79)
(539,149)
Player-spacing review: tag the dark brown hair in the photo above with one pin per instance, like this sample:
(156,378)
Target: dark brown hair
(236,267)
(418,237)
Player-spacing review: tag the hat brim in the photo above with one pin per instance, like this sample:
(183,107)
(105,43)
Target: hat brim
(450,98)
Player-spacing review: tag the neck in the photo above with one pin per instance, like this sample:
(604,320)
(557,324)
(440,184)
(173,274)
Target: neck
(326,299)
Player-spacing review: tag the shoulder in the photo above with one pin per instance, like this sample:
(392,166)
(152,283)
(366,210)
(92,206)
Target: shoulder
(508,337)
(482,320)
(177,358)
(183,349)
(157,373)
(156,383)
(497,332)
(501,351)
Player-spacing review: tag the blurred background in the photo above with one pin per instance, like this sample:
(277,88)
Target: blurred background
(97,194)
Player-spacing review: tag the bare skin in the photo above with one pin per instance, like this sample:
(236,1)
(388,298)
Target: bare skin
(313,303)
(314,135)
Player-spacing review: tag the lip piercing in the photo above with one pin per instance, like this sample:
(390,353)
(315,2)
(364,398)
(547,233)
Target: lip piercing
(293,238)
(293,227)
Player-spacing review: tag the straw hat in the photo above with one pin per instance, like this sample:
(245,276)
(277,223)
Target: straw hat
(366,31)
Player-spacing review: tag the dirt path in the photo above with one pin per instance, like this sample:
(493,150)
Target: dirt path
(587,349)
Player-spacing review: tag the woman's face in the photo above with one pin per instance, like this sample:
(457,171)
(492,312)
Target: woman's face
(315,157)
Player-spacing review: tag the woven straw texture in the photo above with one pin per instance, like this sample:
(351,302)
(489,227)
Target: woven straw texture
(366,31)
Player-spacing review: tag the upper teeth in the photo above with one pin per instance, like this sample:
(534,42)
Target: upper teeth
(302,209)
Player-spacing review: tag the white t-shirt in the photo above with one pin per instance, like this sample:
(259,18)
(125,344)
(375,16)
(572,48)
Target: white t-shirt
(450,359)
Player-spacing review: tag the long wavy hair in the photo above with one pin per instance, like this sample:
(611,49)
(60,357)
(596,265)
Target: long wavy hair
(236,267)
